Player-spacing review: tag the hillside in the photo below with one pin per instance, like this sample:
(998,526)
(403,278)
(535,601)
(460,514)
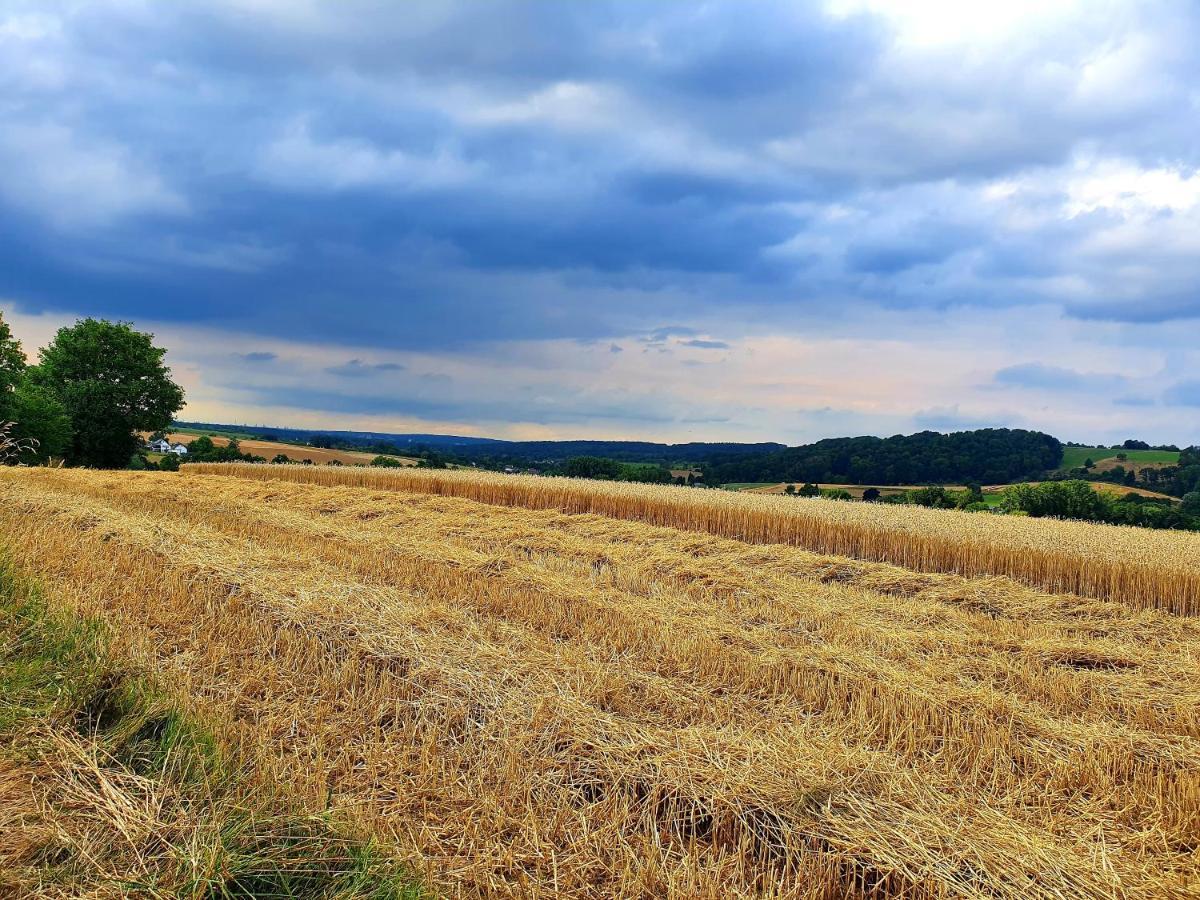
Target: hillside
(270,449)
(521,452)
(1075,457)
(578,689)
(985,456)
(990,492)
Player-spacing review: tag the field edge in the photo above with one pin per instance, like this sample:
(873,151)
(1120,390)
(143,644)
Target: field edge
(107,784)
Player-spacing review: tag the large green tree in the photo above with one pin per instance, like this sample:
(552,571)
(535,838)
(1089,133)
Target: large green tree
(113,383)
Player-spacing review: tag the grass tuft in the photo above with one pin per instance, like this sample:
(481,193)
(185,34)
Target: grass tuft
(107,788)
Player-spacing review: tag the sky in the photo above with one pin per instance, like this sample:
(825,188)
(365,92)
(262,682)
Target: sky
(665,221)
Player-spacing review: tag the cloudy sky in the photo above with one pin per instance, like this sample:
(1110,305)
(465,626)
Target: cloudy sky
(677,221)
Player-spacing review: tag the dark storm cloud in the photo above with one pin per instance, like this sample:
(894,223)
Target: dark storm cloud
(450,174)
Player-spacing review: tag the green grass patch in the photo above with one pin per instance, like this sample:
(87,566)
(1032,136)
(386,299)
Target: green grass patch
(1074,457)
(133,798)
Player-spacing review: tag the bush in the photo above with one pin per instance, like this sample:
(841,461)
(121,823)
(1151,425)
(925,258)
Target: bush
(1060,499)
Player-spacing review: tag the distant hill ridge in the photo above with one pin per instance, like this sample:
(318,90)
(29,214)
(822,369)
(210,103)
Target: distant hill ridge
(984,456)
(516,451)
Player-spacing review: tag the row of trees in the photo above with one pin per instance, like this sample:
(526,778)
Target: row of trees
(1079,500)
(1177,480)
(612,470)
(93,388)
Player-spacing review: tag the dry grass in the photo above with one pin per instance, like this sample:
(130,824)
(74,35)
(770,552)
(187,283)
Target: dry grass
(539,703)
(1152,569)
(109,790)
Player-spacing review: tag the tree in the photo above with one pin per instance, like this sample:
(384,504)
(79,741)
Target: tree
(201,446)
(1191,503)
(386,462)
(1063,499)
(40,421)
(790,489)
(113,383)
(280,459)
(870,495)
(39,426)
(12,364)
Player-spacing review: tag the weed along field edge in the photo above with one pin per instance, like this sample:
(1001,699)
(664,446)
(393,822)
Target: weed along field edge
(545,688)
(110,786)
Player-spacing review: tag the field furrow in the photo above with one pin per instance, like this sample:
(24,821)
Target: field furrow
(531,702)
(1158,570)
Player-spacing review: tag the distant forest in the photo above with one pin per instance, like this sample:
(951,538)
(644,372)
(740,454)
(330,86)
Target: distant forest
(489,450)
(986,456)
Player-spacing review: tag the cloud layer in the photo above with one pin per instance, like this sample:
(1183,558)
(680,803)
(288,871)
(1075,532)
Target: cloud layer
(461,215)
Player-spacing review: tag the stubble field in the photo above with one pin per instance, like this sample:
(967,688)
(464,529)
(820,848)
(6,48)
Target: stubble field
(537,687)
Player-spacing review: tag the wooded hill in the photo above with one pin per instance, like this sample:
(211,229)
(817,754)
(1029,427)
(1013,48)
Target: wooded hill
(986,456)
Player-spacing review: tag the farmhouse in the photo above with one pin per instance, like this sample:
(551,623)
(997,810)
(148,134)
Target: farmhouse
(162,445)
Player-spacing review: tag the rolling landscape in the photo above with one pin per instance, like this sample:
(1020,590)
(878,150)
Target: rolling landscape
(599,451)
(518,686)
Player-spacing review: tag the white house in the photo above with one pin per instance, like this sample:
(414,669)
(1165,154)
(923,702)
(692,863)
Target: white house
(162,445)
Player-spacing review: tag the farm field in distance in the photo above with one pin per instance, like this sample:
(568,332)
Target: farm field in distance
(294,452)
(1074,457)
(533,687)
(991,493)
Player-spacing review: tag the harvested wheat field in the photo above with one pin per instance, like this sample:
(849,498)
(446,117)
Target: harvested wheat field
(526,687)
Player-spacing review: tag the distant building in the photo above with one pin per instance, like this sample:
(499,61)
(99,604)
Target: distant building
(162,445)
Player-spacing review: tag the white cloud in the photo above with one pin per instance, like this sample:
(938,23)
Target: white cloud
(299,160)
(73,180)
(1130,189)
(933,23)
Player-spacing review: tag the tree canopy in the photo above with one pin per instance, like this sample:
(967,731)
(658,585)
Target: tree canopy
(113,383)
(12,362)
(986,456)
(40,426)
